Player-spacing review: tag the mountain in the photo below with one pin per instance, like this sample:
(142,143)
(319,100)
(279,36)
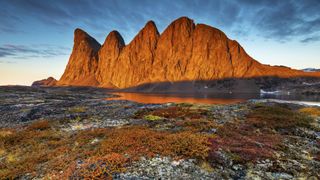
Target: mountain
(185,51)
(50,81)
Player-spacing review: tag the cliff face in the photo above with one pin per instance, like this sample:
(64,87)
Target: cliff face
(183,52)
(83,62)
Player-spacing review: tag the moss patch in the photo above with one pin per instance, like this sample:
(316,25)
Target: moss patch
(152,117)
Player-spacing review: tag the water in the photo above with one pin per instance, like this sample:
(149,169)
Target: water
(207,98)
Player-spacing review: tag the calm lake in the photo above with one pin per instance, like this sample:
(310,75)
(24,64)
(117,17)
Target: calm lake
(206,98)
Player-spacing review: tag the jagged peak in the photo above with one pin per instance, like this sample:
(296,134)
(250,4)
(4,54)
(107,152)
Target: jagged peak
(182,23)
(150,25)
(149,31)
(114,36)
(80,35)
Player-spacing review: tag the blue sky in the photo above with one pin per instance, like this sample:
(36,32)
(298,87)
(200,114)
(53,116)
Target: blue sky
(36,36)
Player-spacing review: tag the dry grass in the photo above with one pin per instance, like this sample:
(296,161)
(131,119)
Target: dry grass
(5,132)
(310,111)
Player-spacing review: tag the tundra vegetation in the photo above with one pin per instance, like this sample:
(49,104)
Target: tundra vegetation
(43,149)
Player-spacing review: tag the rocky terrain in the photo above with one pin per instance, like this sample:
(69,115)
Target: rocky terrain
(184,51)
(75,133)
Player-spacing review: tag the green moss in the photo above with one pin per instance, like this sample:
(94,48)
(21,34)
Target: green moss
(152,118)
(77,109)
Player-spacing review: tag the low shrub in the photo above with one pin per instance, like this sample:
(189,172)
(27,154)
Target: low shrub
(197,125)
(244,144)
(255,138)
(98,167)
(277,117)
(38,148)
(140,141)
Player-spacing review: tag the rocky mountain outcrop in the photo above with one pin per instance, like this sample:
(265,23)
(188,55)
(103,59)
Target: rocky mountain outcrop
(185,51)
(83,62)
(50,81)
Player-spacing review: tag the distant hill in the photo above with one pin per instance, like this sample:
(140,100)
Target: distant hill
(45,82)
(311,70)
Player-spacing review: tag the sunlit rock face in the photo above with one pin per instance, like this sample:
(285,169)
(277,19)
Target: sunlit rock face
(83,62)
(185,51)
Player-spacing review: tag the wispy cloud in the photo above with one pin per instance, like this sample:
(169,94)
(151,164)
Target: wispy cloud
(310,39)
(31,51)
(271,19)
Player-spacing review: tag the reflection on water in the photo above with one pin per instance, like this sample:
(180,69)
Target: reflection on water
(205,98)
(180,98)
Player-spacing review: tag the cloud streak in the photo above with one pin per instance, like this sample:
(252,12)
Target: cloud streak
(270,19)
(32,51)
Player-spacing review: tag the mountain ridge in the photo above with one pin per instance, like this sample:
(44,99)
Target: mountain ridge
(184,51)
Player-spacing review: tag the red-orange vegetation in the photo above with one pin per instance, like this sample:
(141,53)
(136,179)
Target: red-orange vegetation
(40,149)
(245,144)
(174,112)
(197,125)
(39,125)
(140,141)
(260,135)
(97,167)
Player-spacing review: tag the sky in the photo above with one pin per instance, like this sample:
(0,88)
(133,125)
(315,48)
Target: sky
(36,36)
